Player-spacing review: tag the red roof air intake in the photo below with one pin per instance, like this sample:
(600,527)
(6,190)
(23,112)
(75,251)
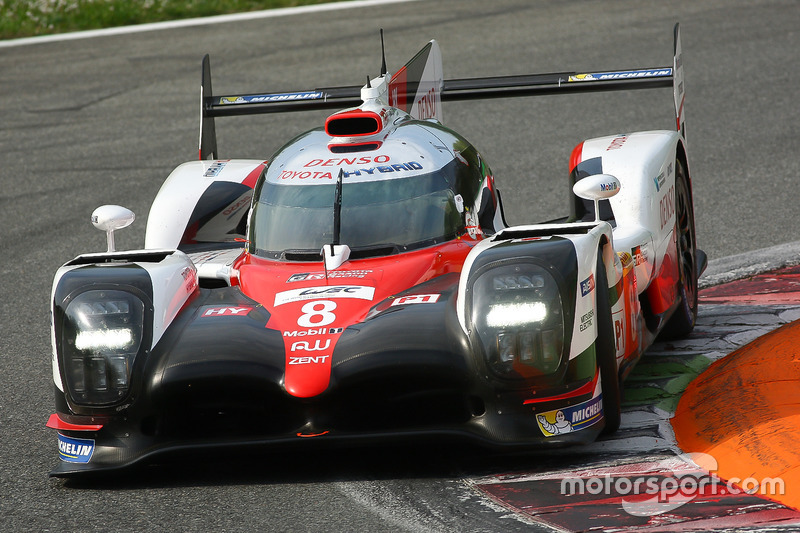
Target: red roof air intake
(353,123)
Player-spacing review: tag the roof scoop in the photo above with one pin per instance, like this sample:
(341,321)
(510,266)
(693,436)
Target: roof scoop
(354,123)
(364,127)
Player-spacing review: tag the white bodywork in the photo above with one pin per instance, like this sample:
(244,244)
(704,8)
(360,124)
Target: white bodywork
(644,212)
(174,203)
(173,278)
(642,167)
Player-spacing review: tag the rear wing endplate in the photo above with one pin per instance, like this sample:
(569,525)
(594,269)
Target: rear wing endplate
(213,106)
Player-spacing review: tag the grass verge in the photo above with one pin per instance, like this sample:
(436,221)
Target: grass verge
(25,18)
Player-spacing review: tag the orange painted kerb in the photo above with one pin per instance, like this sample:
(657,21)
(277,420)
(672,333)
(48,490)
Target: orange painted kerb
(744,410)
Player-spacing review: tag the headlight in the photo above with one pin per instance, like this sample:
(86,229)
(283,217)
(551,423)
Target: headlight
(101,335)
(518,317)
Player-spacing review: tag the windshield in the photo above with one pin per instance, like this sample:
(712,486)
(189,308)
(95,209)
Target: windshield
(401,212)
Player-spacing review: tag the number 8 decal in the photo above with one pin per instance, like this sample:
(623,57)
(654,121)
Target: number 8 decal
(321,309)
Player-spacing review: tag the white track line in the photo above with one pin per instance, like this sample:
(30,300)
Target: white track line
(201,21)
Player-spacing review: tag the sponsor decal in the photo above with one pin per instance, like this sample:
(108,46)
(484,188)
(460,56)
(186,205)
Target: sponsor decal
(397,167)
(308,359)
(303,277)
(621,75)
(74,450)
(639,256)
(304,175)
(617,143)
(662,178)
(416,299)
(625,258)
(587,320)
(569,419)
(215,168)
(189,276)
(306,346)
(317,276)
(666,206)
(349,161)
(587,285)
(350,167)
(276,97)
(236,206)
(659,181)
(226,311)
(612,186)
(312,332)
(335,291)
(426,105)
(619,331)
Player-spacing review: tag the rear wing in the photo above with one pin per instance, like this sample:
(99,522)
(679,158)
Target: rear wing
(426,60)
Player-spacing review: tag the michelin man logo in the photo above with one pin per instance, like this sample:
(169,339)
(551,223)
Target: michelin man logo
(561,424)
(573,418)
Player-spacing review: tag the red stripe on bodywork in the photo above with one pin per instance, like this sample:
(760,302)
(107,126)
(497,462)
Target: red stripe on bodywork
(662,291)
(576,157)
(398,90)
(55,422)
(585,389)
(250,180)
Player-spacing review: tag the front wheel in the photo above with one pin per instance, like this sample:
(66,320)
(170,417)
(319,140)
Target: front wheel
(606,352)
(683,320)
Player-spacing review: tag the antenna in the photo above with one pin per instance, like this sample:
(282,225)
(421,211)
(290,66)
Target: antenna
(383,56)
(337,209)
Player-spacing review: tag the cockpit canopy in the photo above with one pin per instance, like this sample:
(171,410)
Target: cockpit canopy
(415,190)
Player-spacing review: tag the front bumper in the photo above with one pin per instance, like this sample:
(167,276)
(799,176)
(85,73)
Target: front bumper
(500,424)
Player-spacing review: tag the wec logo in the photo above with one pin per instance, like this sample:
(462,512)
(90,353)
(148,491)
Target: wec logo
(338,291)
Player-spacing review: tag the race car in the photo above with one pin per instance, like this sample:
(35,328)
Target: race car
(361,285)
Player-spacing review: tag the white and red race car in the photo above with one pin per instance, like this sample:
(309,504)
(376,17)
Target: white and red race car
(362,283)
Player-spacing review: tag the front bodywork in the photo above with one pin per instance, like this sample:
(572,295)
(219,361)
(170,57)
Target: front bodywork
(356,356)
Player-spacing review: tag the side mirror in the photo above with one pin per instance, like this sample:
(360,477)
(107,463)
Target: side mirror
(597,187)
(110,218)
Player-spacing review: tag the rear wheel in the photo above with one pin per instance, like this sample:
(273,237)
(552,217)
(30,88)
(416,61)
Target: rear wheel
(683,320)
(606,352)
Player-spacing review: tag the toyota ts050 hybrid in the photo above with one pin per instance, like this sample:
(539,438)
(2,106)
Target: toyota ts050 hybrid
(362,284)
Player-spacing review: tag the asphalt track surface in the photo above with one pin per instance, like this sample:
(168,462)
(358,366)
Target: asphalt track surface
(103,120)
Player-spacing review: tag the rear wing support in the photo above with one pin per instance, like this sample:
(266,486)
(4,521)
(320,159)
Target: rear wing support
(452,90)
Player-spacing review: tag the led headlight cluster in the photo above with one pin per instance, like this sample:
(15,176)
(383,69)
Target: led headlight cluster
(517,314)
(101,335)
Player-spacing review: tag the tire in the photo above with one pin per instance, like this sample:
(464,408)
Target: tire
(685,316)
(606,352)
